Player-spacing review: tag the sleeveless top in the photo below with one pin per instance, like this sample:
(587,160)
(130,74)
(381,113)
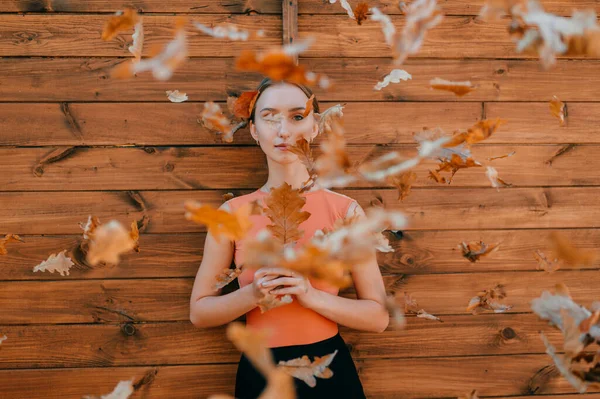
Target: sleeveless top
(293,324)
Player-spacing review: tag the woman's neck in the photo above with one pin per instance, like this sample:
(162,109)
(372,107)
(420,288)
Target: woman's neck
(294,174)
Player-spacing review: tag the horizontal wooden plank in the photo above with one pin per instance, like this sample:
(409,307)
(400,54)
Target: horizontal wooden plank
(159,168)
(151,6)
(128,123)
(454,37)
(443,208)
(80,35)
(353,79)
(182,343)
(97,301)
(453,7)
(382,379)
(179,255)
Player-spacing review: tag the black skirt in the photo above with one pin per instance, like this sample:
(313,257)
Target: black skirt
(345,383)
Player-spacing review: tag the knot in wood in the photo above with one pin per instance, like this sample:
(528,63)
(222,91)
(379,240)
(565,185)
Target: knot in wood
(169,167)
(128,329)
(508,333)
(407,259)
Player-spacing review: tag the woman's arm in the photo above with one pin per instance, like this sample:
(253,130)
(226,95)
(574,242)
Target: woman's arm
(207,307)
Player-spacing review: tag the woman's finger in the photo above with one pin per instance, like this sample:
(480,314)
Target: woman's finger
(279,271)
(295,290)
(282,281)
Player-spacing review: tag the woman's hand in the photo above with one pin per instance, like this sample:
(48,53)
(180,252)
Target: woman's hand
(261,277)
(282,281)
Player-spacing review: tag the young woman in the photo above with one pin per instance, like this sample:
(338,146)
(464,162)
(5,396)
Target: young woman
(308,325)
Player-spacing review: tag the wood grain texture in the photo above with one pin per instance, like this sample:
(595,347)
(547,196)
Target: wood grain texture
(80,35)
(160,168)
(101,301)
(88,79)
(445,208)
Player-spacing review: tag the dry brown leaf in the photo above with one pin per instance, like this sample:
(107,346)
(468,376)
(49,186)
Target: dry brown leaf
(564,250)
(309,107)
(302,149)
(492,175)
(403,183)
(305,370)
(220,222)
(229,31)
(476,249)
(121,21)
(90,227)
(316,262)
(478,132)
(458,88)
(243,104)
(227,196)
(123,390)
(8,238)
(326,118)
(510,154)
(176,97)
(395,76)
(557,108)
(3,338)
(360,12)
(138,41)
(420,16)
(452,165)
(284,209)
(135,236)
(346,6)
(388,28)
(269,302)
(227,276)
(279,64)
(213,119)
(411,306)
(109,242)
(55,263)
(333,166)
(544,263)
(253,344)
(488,300)
(162,64)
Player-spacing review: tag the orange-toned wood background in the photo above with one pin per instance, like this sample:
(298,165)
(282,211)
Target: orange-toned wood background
(74,142)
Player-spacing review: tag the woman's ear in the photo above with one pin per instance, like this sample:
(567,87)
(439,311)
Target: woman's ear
(253,130)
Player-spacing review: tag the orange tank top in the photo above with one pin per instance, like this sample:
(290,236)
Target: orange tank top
(293,324)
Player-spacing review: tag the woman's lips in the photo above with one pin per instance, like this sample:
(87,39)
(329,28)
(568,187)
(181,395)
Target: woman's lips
(282,147)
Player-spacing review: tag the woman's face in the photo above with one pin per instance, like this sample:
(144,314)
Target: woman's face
(278,121)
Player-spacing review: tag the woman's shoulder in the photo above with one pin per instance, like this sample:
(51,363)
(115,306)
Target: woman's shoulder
(343,204)
(235,202)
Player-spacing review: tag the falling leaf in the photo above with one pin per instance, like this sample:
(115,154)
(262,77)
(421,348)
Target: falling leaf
(386,166)
(243,104)
(453,165)
(420,16)
(393,77)
(284,209)
(333,166)
(492,175)
(121,21)
(219,222)
(476,249)
(327,117)
(319,263)
(109,242)
(253,343)
(305,370)
(564,250)
(388,28)
(458,88)
(280,64)
(3,338)
(8,238)
(227,196)
(360,12)
(510,154)
(228,31)
(213,119)
(270,301)
(302,149)
(227,276)
(163,64)
(411,306)
(123,390)
(557,108)
(135,236)
(309,107)
(138,41)
(176,97)
(403,182)
(346,6)
(488,300)
(55,263)
(393,307)
(480,131)
(544,263)
(89,228)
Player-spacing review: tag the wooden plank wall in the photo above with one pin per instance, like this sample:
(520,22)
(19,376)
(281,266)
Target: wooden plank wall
(121,150)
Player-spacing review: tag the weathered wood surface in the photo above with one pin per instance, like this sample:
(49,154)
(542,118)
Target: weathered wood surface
(172,343)
(525,374)
(440,208)
(159,299)
(88,79)
(393,123)
(80,35)
(449,7)
(161,168)
(418,252)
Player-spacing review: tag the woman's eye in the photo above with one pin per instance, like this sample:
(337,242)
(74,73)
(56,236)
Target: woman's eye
(298,116)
